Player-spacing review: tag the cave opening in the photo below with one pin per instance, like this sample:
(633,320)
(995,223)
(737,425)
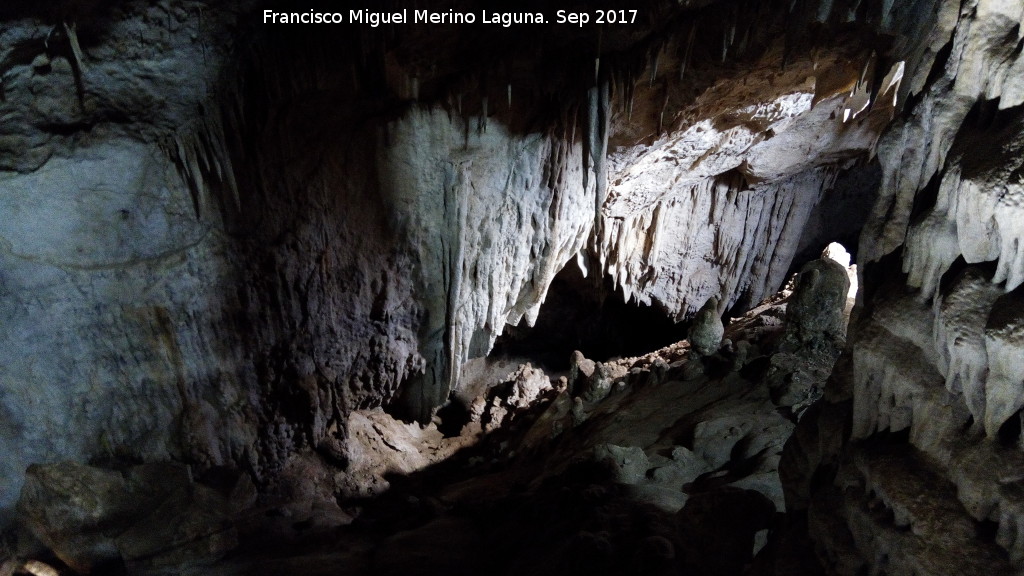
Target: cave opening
(840,215)
(591,315)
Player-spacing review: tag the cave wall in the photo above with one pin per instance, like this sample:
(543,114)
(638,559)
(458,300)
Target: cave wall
(114,295)
(183,281)
(912,464)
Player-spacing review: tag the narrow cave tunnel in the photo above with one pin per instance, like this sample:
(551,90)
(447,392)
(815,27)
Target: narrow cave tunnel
(445,288)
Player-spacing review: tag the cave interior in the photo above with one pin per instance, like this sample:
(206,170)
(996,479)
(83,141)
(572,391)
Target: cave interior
(710,287)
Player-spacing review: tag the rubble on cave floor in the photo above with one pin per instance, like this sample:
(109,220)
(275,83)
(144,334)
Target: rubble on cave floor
(658,463)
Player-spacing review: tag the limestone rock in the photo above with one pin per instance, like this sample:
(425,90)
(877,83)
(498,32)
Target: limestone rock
(150,513)
(223,276)
(707,329)
(72,508)
(628,464)
(599,385)
(581,369)
(814,313)
(1004,343)
(960,318)
(814,335)
(192,526)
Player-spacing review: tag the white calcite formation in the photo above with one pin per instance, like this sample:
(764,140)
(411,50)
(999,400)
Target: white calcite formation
(488,230)
(718,208)
(976,214)
(935,382)
(960,319)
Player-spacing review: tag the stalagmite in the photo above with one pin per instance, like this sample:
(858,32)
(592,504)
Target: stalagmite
(707,330)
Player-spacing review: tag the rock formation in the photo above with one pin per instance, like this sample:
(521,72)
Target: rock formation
(707,329)
(239,250)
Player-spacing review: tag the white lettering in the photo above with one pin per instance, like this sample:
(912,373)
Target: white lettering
(507,19)
(578,18)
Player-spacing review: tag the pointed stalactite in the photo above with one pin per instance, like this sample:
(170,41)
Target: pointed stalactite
(654,66)
(596,151)
(661,115)
(785,52)
(854,11)
(77,61)
(886,20)
(175,152)
(688,51)
(824,11)
(732,28)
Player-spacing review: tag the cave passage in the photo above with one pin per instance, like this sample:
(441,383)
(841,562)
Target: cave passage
(592,316)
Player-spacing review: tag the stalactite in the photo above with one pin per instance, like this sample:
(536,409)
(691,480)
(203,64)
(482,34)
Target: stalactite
(510,96)
(661,116)
(596,152)
(199,151)
(654,68)
(77,61)
(71,30)
(688,52)
(851,15)
(886,17)
(824,11)
(732,29)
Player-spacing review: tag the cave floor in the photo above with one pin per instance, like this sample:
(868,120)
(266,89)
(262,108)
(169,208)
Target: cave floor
(661,464)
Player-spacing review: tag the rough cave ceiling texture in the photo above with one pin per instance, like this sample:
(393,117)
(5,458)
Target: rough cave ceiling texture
(218,237)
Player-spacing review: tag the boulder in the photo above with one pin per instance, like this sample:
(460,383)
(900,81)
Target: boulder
(150,513)
(628,464)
